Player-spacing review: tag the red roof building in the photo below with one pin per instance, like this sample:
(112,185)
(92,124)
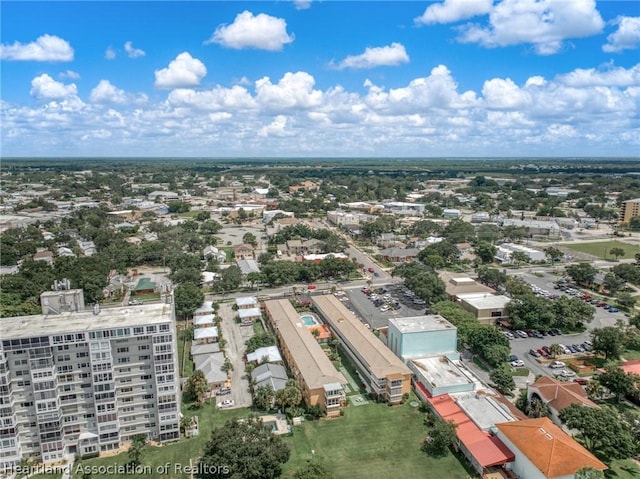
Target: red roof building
(543,450)
(483,450)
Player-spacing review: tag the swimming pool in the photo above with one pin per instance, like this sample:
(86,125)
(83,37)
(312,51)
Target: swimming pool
(309,320)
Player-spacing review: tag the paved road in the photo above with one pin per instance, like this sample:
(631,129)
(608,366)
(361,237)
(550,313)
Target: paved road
(235,336)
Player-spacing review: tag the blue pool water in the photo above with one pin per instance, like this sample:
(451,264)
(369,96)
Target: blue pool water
(308,320)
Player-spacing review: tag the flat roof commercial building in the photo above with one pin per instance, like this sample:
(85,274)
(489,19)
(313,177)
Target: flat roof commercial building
(384,374)
(487,308)
(321,383)
(421,336)
(86,382)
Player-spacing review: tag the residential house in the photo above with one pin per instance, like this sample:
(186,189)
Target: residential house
(212,251)
(44,255)
(65,251)
(248,266)
(544,451)
(267,374)
(246,302)
(243,251)
(399,255)
(87,248)
(210,360)
(266,354)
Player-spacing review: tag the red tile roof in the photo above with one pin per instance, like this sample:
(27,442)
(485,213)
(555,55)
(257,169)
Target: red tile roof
(548,447)
(559,395)
(487,450)
(631,366)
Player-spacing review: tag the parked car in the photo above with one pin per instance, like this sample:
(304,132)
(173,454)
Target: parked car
(578,347)
(521,333)
(586,347)
(223,391)
(226,403)
(371,270)
(534,353)
(557,365)
(512,358)
(581,381)
(565,373)
(546,350)
(517,364)
(613,310)
(538,334)
(384,308)
(508,334)
(542,352)
(556,331)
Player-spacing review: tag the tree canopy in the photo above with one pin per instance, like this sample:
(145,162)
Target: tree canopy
(246,448)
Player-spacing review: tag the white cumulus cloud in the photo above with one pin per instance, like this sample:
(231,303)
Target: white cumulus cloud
(46,88)
(390,55)
(133,52)
(278,127)
(626,37)
(454,10)
(69,74)
(47,48)
(261,31)
(184,71)
(294,90)
(545,24)
(105,92)
(302,4)
(619,76)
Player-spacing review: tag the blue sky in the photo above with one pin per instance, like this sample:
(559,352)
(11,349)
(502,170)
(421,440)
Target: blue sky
(320,78)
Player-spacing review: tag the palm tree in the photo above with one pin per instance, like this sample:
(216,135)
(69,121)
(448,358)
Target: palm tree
(555,349)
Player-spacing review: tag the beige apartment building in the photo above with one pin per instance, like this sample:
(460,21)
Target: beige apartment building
(83,382)
(629,209)
(383,373)
(321,383)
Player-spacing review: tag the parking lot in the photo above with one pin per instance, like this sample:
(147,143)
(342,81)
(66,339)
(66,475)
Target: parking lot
(371,314)
(520,347)
(546,281)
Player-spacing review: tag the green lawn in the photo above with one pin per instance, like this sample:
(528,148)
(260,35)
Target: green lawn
(623,469)
(373,437)
(602,248)
(374,440)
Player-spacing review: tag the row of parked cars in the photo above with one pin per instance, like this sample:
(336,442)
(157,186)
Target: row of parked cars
(545,351)
(531,333)
(586,297)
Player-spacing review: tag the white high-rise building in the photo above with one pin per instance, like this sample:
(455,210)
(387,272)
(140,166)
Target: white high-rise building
(87,382)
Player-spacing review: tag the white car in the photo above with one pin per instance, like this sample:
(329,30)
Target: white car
(557,365)
(522,334)
(565,373)
(517,364)
(508,334)
(226,403)
(384,308)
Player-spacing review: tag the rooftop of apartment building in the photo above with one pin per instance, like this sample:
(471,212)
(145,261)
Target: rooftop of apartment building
(46,325)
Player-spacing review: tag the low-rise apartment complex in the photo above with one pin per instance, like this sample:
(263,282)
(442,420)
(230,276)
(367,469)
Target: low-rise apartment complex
(383,373)
(86,382)
(321,383)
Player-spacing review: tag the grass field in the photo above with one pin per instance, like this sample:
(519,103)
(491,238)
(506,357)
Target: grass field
(602,249)
(370,441)
(623,469)
(369,438)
